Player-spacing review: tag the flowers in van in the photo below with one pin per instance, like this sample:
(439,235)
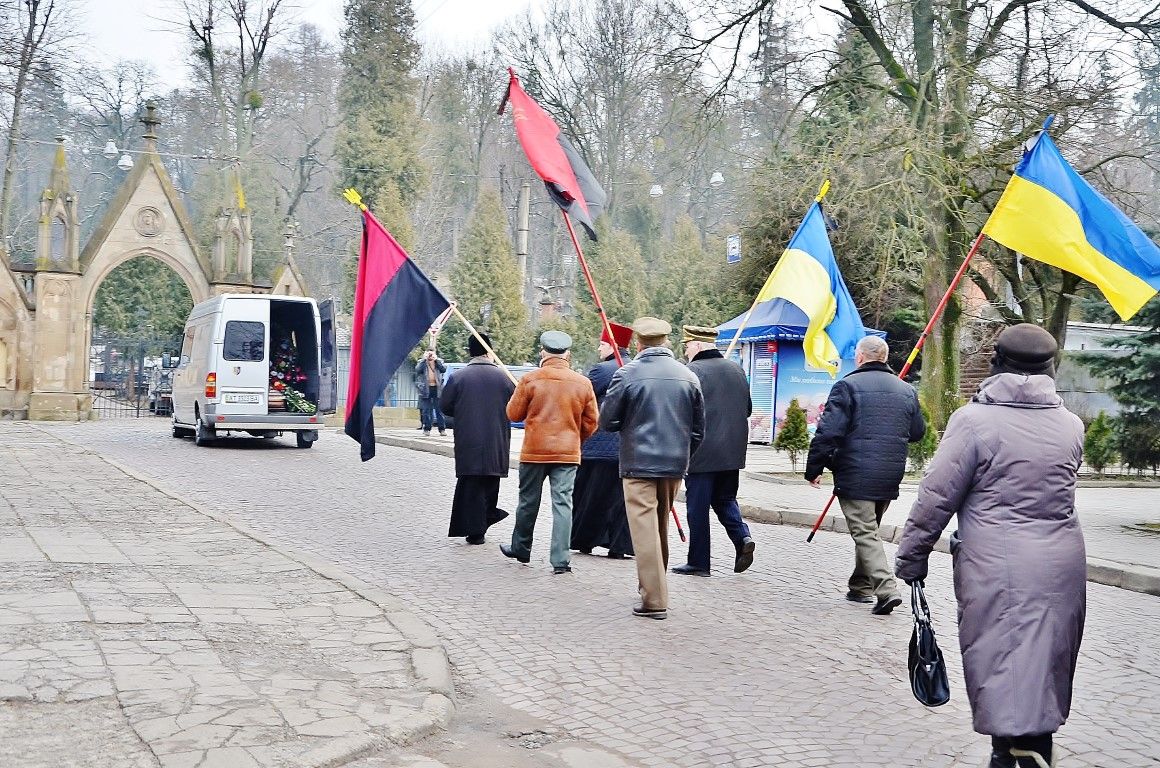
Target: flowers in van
(285,372)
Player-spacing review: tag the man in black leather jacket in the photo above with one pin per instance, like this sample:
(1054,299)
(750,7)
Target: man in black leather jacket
(655,404)
(862,438)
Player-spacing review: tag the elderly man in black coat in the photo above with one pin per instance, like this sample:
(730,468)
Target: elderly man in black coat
(476,396)
(715,467)
(862,437)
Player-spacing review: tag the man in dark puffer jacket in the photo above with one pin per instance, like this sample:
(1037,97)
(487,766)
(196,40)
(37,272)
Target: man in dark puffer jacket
(862,438)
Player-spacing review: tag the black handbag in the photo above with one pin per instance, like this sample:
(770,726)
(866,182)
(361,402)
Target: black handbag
(928,670)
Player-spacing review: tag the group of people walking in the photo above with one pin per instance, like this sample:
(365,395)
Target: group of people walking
(616,444)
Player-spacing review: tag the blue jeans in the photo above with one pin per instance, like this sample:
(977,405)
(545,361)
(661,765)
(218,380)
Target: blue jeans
(563,480)
(719,491)
(430,414)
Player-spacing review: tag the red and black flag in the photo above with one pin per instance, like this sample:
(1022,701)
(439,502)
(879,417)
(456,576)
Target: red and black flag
(569,180)
(394,305)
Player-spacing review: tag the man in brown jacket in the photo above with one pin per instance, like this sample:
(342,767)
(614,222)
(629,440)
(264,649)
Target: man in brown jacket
(558,408)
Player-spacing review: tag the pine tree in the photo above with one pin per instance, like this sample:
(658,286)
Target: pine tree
(1099,444)
(485,282)
(685,290)
(922,451)
(794,435)
(378,144)
(619,273)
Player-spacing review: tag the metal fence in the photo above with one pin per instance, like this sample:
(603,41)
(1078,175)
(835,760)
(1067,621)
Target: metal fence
(126,376)
(400,391)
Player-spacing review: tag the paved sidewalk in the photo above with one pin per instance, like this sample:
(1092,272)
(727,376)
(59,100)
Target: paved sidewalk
(1117,556)
(136,630)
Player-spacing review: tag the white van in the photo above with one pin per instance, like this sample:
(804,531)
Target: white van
(223,382)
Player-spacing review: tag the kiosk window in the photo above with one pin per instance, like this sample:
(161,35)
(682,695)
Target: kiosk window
(245,340)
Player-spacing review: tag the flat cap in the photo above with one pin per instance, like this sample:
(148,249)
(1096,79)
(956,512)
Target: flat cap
(555,342)
(699,333)
(1026,349)
(651,327)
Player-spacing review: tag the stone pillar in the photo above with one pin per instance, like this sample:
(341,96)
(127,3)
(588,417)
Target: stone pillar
(58,374)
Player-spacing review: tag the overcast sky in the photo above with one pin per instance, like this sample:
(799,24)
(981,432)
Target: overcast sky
(148,29)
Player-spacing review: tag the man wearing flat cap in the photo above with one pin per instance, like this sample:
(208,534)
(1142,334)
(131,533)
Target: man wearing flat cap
(1006,471)
(476,396)
(598,516)
(559,412)
(655,404)
(715,467)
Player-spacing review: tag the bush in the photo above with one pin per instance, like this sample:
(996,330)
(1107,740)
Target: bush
(922,451)
(1139,441)
(1099,443)
(794,435)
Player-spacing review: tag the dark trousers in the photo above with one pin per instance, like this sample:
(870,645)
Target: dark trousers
(719,491)
(1040,744)
(430,414)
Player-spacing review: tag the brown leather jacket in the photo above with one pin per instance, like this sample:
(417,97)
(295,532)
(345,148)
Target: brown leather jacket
(558,408)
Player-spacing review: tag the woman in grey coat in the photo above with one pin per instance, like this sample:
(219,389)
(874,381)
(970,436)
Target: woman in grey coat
(1007,467)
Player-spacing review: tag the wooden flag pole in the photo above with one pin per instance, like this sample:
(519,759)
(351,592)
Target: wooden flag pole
(917,348)
(482,341)
(592,287)
(822,192)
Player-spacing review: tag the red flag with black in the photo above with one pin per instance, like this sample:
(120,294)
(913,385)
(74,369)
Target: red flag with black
(570,182)
(394,305)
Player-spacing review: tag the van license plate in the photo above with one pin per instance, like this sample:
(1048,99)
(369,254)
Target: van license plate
(243,398)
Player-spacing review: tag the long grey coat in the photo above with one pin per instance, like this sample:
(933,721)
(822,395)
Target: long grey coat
(1007,467)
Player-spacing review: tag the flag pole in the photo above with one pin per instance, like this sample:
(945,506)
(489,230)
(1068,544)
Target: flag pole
(482,341)
(822,192)
(592,287)
(917,348)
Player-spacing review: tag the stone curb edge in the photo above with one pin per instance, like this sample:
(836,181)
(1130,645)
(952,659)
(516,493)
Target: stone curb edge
(429,662)
(1107,572)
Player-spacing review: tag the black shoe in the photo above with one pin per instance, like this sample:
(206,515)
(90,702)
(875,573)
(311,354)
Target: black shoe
(615,555)
(558,569)
(744,555)
(650,613)
(884,607)
(584,551)
(1001,760)
(426,433)
(688,570)
(443,431)
(476,539)
(507,552)
(858,597)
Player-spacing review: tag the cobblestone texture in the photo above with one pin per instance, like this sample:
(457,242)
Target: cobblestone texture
(135,631)
(767,668)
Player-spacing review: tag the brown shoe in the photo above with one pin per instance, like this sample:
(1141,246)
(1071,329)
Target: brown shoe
(650,613)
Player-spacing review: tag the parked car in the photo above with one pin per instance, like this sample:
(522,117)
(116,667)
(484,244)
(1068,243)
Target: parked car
(222,383)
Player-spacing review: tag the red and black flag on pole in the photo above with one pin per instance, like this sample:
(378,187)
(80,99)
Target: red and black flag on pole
(569,180)
(394,305)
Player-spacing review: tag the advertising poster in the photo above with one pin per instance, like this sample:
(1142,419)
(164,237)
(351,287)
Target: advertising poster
(810,386)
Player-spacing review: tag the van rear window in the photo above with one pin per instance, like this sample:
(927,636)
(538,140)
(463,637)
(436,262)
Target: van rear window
(245,340)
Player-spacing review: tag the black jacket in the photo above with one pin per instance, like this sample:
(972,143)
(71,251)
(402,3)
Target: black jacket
(476,396)
(727,409)
(869,418)
(655,404)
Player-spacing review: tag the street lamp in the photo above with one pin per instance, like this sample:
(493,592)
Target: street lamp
(126,162)
(110,150)
(656,190)
(716,181)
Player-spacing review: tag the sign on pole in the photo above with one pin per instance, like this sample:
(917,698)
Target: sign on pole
(733,249)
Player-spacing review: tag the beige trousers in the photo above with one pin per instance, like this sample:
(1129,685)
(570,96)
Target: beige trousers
(648,501)
(872,574)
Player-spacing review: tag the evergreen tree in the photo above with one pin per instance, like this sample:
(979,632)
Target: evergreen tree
(378,144)
(794,435)
(1099,449)
(142,298)
(485,282)
(922,451)
(619,273)
(686,290)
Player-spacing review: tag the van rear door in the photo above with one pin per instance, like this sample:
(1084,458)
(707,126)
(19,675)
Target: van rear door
(243,375)
(328,361)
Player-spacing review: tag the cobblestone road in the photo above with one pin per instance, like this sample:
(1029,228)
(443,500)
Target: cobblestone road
(767,668)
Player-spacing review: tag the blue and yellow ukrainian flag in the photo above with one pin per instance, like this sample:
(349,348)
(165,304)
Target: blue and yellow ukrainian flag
(1050,214)
(807,275)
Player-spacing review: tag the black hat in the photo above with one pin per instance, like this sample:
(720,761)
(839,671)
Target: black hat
(1025,349)
(474,348)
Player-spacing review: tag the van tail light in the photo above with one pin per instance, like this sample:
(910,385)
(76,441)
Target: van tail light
(211,384)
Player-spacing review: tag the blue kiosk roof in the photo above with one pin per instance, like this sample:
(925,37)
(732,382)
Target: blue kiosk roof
(772,320)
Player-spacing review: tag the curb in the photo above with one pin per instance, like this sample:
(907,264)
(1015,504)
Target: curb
(1134,578)
(429,662)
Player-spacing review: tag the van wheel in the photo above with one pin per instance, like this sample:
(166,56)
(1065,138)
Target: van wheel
(303,440)
(204,435)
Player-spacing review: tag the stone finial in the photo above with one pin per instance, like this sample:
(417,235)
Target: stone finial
(151,121)
(58,180)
